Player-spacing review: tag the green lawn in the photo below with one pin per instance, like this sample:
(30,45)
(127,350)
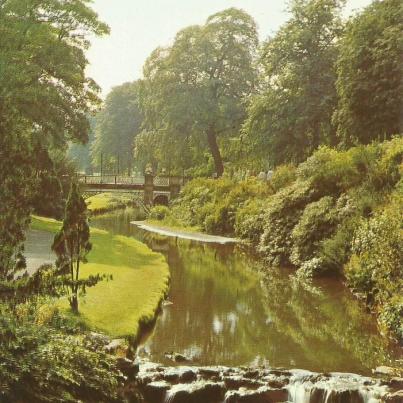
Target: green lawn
(140,281)
(103,202)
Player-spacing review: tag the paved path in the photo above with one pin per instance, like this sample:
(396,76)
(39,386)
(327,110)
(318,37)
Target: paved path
(194,236)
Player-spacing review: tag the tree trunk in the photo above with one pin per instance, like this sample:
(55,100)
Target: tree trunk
(74,303)
(215,151)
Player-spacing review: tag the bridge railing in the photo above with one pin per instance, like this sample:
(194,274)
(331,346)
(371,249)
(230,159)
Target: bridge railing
(161,181)
(111,179)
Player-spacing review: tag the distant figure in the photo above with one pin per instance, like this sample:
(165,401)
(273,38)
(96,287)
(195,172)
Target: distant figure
(262,176)
(269,175)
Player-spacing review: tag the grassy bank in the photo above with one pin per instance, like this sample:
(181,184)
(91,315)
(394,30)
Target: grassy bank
(339,212)
(105,202)
(140,281)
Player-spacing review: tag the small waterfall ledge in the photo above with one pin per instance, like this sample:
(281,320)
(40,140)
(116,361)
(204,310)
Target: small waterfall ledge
(219,384)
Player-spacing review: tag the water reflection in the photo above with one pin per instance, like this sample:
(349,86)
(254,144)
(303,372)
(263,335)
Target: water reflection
(224,312)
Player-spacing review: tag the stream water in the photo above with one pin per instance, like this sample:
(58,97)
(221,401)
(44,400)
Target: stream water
(223,310)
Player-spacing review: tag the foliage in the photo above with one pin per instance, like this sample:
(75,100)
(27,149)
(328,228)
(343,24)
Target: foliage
(212,204)
(282,176)
(281,216)
(71,245)
(376,265)
(116,128)
(80,154)
(41,363)
(194,91)
(249,220)
(292,113)
(369,82)
(44,100)
(159,213)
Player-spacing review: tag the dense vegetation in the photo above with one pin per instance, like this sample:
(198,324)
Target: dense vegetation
(339,212)
(318,103)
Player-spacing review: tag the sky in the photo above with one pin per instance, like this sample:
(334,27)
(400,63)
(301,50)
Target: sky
(139,26)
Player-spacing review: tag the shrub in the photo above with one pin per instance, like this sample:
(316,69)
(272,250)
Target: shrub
(40,363)
(283,176)
(316,222)
(249,220)
(282,214)
(332,172)
(159,213)
(376,265)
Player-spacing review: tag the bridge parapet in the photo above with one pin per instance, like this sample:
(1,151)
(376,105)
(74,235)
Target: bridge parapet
(148,184)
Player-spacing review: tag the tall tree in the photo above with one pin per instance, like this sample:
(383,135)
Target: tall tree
(44,100)
(370,75)
(117,125)
(71,245)
(80,154)
(194,92)
(292,113)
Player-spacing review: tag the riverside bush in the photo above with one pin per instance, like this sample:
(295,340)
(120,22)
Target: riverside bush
(375,268)
(41,362)
(281,216)
(213,204)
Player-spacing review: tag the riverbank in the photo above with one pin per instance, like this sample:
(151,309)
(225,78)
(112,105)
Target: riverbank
(338,213)
(118,307)
(183,234)
(106,202)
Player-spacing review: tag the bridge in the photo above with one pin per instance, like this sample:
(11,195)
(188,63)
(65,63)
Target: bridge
(155,189)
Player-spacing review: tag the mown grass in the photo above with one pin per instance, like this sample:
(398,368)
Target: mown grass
(104,202)
(140,280)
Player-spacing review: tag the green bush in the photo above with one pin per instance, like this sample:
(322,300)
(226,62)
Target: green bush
(249,220)
(40,362)
(283,176)
(213,204)
(375,268)
(282,214)
(159,213)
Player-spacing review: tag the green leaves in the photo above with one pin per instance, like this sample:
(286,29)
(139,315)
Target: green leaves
(292,113)
(71,245)
(194,91)
(44,101)
(369,83)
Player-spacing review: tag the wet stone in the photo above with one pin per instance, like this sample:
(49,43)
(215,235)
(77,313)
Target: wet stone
(237,381)
(198,392)
(261,395)
(128,367)
(156,391)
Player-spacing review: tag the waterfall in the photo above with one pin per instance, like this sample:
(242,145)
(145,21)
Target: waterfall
(337,388)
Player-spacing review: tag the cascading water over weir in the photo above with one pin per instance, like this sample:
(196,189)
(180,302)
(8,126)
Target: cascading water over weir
(218,384)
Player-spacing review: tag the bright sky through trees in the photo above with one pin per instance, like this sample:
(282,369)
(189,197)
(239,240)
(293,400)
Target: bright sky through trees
(139,26)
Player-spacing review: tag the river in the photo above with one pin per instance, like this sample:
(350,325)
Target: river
(224,309)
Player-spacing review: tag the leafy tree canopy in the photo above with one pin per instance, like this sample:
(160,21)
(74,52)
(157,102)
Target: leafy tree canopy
(44,100)
(370,72)
(194,92)
(117,125)
(291,115)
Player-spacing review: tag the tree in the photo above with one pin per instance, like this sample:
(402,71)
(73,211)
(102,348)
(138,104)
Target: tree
(71,245)
(45,98)
(80,154)
(370,71)
(292,113)
(117,125)
(194,92)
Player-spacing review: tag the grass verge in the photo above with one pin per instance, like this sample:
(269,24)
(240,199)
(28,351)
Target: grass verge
(104,202)
(140,280)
